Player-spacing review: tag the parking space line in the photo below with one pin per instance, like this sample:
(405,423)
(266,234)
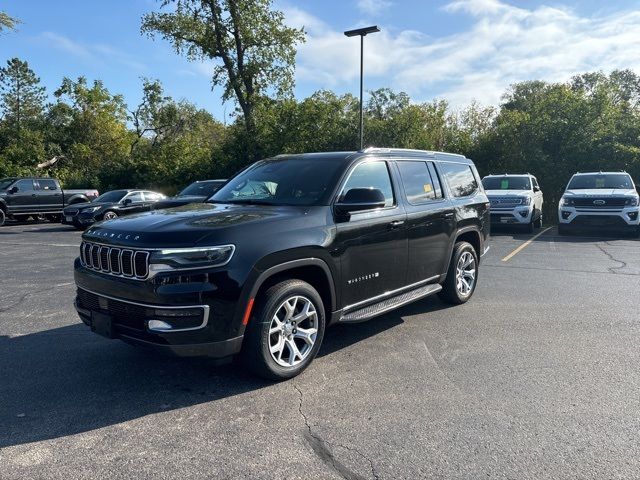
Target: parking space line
(524,245)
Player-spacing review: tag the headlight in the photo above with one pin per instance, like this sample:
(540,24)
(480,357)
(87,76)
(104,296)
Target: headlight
(188,258)
(631,202)
(525,200)
(566,202)
(91,209)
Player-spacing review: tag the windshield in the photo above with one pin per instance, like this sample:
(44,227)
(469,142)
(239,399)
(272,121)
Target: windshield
(596,181)
(5,182)
(506,183)
(286,181)
(111,197)
(201,189)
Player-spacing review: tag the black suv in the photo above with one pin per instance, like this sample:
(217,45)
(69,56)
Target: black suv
(288,246)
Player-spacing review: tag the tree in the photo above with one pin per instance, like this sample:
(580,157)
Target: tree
(7,22)
(253,49)
(21,98)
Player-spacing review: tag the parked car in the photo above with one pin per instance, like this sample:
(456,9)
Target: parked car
(288,246)
(28,196)
(515,200)
(110,205)
(197,192)
(604,200)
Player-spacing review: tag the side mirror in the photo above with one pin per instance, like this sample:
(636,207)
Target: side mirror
(13,189)
(359,199)
(536,189)
(127,201)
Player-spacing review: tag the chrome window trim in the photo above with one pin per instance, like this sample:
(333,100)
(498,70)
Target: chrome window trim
(205,308)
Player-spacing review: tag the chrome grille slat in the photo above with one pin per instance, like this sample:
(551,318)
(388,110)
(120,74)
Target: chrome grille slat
(116,261)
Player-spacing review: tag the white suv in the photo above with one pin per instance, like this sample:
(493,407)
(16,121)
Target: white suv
(515,200)
(600,199)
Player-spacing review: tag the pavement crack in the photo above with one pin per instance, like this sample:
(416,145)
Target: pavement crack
(613,259)
(24,296)
(322,448)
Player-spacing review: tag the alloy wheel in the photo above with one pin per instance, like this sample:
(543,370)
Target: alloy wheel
(466,273)
(293,331)
(110,215)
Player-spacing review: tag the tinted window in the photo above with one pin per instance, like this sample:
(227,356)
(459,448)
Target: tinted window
(24,185)
(202,189)
(152,196)
(47,184)
(282,181)
(371,175)
(506,183)
(612,180)
(111,197)
(418,182)
(460,179)
(135,197)
(5,182)
(535,182)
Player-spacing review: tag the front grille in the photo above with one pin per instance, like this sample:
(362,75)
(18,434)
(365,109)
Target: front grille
(71,211)
(122,262)
(594,202)
(505,202)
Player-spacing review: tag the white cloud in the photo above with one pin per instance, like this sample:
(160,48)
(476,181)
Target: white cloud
(505,44)
(373,7)
(95,53)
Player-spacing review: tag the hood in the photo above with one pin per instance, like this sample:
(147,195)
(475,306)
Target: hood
(181,200)
(83,206)
(507,193)
(194,224)
(602,192)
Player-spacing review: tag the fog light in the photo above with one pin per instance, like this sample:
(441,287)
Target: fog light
(565,214)
(524,213)
(159,325)
(633,215)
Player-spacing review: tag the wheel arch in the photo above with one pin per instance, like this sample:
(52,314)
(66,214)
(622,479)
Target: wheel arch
(78,198)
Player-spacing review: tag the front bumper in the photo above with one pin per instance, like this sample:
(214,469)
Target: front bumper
(78,219)
(197,316)
(511,216)
(614,218)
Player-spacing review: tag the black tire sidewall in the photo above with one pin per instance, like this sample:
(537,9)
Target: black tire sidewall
(450,291)
(3,217)
(258,354)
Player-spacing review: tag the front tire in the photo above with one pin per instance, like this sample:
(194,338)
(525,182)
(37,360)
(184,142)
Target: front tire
(3,217)
(286,331)
(109,215)
(538,222)
(462,275)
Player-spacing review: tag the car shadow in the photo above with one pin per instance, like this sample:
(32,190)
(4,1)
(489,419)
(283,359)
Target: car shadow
(67,380)
(578,236)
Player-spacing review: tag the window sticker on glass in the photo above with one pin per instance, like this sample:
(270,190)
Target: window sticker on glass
(599,182)
(427,188)
(504,184)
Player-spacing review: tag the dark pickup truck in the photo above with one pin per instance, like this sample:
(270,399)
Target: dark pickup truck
(287,247)
(26,196)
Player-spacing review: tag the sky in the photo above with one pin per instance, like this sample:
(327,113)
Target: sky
(457,50)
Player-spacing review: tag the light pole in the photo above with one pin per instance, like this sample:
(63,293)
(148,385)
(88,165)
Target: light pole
(362,32)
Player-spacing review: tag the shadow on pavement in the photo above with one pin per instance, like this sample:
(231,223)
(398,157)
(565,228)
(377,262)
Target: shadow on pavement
(67,380)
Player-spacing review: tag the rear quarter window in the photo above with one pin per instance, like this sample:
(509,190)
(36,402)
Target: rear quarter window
(460,179)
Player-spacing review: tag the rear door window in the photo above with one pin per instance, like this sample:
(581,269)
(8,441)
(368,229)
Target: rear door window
(460,179)
(47,184)
(419,185)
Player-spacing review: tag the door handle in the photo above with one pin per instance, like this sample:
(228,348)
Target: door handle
(34,194)
(447,215)
(396,223)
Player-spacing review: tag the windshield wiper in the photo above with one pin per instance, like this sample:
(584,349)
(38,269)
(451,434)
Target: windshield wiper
(243,201)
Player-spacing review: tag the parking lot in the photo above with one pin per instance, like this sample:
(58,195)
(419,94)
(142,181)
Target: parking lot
(537,376)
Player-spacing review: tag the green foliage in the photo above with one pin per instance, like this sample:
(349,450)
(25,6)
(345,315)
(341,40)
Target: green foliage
(7,22)
(253,49)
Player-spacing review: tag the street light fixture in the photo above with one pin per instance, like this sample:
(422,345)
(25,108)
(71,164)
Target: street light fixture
(361,32)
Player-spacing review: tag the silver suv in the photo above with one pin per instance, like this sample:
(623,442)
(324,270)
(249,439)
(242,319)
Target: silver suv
(515,200)
(601,200)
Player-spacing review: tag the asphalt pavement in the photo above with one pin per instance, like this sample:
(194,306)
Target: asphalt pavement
(536,377)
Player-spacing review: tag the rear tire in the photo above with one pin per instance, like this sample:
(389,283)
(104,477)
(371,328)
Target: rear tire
(3,217)
(462,276)
(286,331)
